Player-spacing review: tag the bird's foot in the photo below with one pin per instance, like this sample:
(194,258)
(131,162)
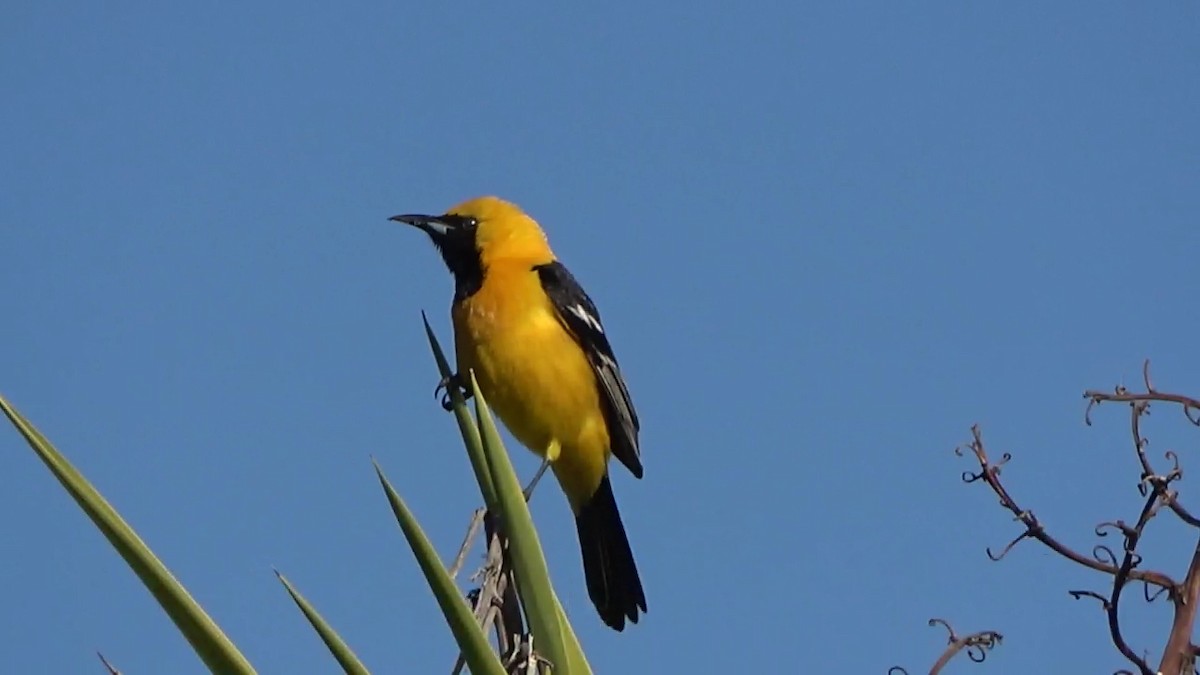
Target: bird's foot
(443,390)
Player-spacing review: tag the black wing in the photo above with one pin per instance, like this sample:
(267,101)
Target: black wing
(582,320)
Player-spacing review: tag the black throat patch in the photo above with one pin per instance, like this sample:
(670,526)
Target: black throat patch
(458,251)
(468,278)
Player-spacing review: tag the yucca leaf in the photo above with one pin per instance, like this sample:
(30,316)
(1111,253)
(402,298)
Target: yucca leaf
(466,425)
(529,563)
(483,473)
(470,637)
(338,647)
(206,638)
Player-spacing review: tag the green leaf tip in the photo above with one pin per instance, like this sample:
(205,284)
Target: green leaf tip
(333,642)
(206,638)
(470,637)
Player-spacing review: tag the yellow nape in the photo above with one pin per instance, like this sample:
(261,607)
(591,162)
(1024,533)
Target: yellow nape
(486,208)
(504,231)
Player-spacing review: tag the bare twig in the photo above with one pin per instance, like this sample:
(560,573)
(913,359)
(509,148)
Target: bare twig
(524,660)
(1121,579)
(976,645)
(1140,406)
(1157,487)
(510,624)
(495,602)
(989,473)
(1191,406)
(1179,655)
(468,542)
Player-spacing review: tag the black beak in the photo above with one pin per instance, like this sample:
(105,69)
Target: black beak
(434,226)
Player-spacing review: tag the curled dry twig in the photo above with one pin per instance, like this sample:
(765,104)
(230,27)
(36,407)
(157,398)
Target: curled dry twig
(1121,579)
(976,646)
(1180,653)
(989,473)
(1140,406)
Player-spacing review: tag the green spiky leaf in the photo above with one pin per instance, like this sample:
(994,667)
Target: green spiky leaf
(474,644)
(338,647)
(206,638)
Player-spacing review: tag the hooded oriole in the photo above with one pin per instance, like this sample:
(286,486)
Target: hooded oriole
(543,361)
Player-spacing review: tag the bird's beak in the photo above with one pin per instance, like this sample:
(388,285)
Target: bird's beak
(434,226)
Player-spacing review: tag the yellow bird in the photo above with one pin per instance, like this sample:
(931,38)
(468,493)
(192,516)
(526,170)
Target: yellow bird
(543,360)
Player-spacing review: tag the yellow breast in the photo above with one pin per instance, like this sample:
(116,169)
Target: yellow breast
(531,370)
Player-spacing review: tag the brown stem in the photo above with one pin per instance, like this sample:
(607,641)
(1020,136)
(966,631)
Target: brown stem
(1121,579)
(1180,653)
(990,474)
(976,646)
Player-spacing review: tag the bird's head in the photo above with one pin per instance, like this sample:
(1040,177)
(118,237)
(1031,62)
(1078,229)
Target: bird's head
(481,231)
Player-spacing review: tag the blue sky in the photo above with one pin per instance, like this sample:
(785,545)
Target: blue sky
(825,241)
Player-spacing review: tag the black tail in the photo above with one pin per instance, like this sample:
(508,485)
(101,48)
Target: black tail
(612,577)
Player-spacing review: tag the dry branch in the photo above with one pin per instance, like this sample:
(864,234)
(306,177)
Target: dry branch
(976,646)
(1179,654)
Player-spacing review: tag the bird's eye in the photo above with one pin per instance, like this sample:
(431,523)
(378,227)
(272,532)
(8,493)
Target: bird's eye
(471,223)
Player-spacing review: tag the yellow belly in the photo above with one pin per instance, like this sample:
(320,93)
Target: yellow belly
(539,383)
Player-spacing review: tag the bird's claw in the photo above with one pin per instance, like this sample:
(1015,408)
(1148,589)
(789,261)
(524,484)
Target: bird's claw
(443,390)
